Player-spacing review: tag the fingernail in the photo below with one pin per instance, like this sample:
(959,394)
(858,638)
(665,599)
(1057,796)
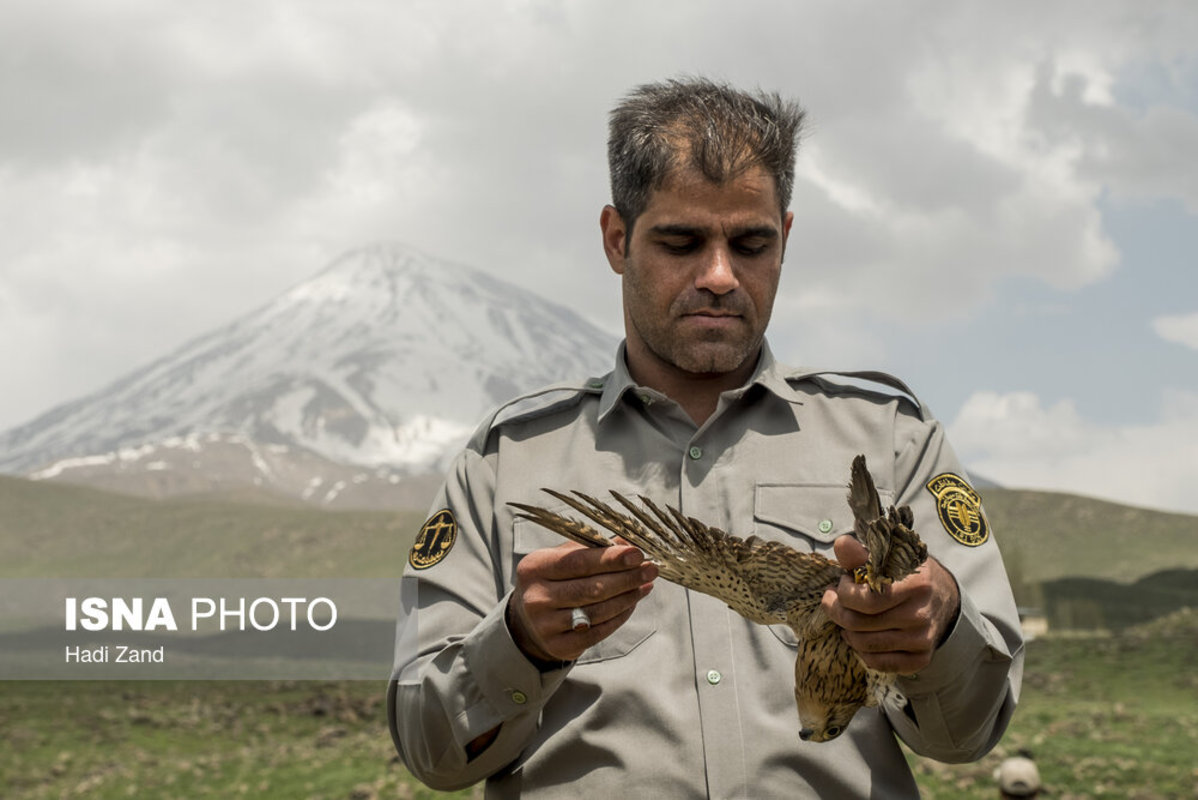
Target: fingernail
(648,572)
(631,558)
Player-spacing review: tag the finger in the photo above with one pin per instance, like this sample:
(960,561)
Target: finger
(569,561)
(849,595)
(850,553)
(611,608)
(891,640)
(904,651)
(568,645)
(539,605)
(904,663)
(595,589)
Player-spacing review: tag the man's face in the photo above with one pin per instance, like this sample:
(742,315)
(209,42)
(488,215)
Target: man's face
(699,273)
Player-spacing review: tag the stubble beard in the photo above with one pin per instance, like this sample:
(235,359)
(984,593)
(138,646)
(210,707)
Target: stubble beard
(713,358)
(713,354)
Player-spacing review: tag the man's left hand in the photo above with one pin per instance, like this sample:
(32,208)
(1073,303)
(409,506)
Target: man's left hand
(899,628)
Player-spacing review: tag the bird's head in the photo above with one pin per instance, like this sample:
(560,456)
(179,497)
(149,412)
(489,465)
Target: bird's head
(831,683)
(822,722)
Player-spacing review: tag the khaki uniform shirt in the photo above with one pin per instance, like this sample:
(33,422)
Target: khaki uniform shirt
(688,699)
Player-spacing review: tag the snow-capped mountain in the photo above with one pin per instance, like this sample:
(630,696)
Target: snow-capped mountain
(379,366)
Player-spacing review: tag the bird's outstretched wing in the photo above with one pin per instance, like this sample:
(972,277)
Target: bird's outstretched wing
(895,550)
(765,582)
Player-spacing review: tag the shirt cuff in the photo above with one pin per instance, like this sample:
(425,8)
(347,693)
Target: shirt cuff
(510,683)
(963,647)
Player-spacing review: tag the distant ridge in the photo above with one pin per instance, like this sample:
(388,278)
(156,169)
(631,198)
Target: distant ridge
(982,482)
(51,529)
(1048,535)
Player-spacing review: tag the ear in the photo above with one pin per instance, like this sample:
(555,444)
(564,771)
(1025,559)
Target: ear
(787,221)
(615,238)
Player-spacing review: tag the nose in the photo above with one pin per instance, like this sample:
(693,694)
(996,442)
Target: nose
(716,273)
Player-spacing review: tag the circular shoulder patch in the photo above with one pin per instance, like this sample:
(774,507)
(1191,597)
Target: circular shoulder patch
(434,540)
(960,509)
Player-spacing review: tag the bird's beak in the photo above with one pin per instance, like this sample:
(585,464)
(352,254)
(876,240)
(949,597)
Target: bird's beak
(806,734)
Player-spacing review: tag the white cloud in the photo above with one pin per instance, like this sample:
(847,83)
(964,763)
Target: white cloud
(1014,439)
(163,167)
(380,170)
(1178,328)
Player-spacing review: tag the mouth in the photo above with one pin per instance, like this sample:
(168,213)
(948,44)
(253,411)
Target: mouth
(713,314)
(713,320)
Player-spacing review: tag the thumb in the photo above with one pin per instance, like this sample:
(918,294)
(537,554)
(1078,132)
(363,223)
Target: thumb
(850,552)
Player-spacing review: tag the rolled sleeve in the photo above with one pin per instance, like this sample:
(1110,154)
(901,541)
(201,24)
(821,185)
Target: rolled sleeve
(961,703)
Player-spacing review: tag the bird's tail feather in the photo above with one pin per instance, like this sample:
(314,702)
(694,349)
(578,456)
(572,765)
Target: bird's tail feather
(895,550)
(863,496)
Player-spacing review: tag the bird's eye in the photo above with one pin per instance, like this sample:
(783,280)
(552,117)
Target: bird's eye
(833,732)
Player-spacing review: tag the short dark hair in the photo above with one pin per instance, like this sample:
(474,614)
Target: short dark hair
(697,123)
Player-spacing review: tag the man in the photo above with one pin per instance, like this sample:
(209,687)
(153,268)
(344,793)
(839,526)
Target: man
(553,670)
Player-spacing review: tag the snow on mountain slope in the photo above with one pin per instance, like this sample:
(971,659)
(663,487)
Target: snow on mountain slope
(387,359)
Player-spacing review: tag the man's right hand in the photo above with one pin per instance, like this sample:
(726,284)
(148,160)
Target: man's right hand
(605,582)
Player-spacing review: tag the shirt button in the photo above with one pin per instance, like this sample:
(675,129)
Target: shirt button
(519,697)
(714,677)
(696,453)
(825,525)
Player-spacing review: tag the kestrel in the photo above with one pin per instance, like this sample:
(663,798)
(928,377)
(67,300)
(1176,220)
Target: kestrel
(768,583)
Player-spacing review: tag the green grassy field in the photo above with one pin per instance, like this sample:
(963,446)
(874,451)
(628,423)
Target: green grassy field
(1105,717)
(1112,717)
(173,739)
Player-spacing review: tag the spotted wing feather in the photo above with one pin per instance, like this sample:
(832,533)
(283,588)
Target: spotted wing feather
(765,582)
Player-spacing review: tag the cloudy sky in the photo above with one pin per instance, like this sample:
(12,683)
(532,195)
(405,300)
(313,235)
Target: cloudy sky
(996,201)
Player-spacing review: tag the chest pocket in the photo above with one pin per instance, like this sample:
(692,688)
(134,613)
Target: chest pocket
(528,536)
(808,517)
(805,516)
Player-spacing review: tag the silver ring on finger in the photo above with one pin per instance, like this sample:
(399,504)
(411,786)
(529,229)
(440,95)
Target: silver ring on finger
(579,621)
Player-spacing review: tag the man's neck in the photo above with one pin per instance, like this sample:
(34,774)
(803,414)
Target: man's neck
(697,393)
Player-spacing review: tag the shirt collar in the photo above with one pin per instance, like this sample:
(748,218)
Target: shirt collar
(619,381)
(769,374)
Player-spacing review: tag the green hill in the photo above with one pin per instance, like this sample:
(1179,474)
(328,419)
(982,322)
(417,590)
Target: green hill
(58,530)
(1045,536)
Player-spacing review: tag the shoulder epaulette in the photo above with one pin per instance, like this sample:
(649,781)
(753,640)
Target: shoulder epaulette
(535,404)
(868,381)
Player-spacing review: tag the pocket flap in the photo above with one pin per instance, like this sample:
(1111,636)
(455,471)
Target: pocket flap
(818,511)
(528,535)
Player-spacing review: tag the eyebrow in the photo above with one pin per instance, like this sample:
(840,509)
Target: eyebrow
(678,229)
